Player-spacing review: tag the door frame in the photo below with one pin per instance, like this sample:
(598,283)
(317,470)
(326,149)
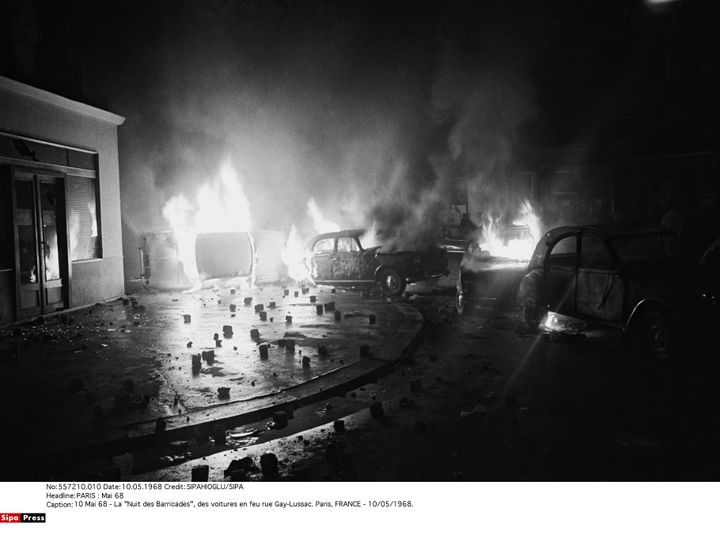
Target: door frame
(64,254)
(569,298)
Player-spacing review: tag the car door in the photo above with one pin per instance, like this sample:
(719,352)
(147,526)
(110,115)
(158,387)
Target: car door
(321,260)
(600,288)
(560,275)
(347,262)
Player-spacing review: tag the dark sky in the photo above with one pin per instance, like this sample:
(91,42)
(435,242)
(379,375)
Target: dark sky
(376,108)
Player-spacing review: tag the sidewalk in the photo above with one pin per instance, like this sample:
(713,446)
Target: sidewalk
(119,376)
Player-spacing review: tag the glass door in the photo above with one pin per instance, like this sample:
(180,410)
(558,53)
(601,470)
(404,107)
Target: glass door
(40,243)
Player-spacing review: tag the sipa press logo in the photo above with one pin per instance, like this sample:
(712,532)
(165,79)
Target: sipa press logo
(21,518)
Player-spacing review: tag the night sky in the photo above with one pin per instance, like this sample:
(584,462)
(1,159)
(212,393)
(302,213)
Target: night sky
(376,109)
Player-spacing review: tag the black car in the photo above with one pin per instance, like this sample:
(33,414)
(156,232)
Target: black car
(340,259)
(628,278)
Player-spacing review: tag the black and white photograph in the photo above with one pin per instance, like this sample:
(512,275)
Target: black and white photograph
(358,244)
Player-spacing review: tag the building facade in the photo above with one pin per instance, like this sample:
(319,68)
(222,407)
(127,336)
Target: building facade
(60,223)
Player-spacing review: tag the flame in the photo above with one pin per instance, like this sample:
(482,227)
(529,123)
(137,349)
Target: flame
(322,224)
(370,237)
(531,219)
(220,206)
(496,242)
(294,257)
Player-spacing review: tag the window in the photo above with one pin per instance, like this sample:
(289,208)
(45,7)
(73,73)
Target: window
(594,253)
(80,167)
(30,150)
(324,246)
(564,253)
(347,244)
(83,221)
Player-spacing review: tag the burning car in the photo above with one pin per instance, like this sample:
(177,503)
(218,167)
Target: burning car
(340,259)
(623,278)
(493,270)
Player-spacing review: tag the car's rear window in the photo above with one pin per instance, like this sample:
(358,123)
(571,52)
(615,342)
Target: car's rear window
(642,248)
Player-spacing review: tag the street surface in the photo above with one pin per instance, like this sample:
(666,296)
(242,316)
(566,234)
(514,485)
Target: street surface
(475,398)
(483,399)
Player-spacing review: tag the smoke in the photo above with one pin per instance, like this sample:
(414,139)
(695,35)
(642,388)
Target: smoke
(368,108)
(486,102)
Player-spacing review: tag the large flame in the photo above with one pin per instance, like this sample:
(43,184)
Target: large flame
(220,206)
(294,257)
(321,223)
(497,243)
(370,238)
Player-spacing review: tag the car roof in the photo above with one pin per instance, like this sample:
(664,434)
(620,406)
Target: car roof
(607,231)
(337,234)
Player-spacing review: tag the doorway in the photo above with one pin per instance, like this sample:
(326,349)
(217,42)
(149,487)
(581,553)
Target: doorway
(41,251)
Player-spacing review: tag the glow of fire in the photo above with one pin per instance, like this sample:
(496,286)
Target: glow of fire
(321,223)
(220,206)
(520,248)
(294,257)
(370,237)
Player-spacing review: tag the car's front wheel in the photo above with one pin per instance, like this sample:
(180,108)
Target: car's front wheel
(656,336)
(392,283)
(532,316)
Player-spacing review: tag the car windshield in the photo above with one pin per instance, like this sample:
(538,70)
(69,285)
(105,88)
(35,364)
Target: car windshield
(643,248)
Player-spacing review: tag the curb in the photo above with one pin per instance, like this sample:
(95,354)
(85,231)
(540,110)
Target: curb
(203,420)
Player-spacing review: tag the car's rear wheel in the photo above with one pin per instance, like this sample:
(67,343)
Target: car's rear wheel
(392,283)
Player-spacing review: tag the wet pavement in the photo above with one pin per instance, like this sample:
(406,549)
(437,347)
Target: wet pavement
(477,398)
(485,399)
(120,375)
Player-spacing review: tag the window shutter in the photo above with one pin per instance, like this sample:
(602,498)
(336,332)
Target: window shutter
(83,224)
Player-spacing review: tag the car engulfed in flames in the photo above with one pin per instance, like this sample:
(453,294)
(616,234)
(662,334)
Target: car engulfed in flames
(340,259)
(495,258)
(493,274)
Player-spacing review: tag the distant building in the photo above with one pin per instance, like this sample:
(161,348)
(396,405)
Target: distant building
(60,230)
